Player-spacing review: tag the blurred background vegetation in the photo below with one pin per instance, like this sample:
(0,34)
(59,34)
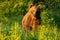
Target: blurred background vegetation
(12,12)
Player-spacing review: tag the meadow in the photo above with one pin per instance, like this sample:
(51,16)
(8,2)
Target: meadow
(11,14)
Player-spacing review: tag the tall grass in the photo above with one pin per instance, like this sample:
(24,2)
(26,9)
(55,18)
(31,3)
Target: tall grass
(12,31)
(11,16)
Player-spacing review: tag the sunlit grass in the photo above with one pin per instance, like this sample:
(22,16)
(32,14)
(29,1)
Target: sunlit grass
(11,13)
(44,33)
(12,31)
(48,33)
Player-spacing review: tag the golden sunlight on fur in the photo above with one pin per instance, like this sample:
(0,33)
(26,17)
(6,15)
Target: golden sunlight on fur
(32,19)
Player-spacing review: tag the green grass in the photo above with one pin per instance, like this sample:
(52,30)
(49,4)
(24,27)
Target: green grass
(11,30)
(11,18)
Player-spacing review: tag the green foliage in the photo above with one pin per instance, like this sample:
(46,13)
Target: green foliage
(12,9)
(11,14)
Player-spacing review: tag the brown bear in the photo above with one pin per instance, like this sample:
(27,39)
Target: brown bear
(32,19)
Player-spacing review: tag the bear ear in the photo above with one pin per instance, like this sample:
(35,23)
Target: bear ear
(40,6)
(31,5)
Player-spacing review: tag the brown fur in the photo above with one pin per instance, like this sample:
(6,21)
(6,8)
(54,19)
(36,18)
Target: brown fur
(31,20)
